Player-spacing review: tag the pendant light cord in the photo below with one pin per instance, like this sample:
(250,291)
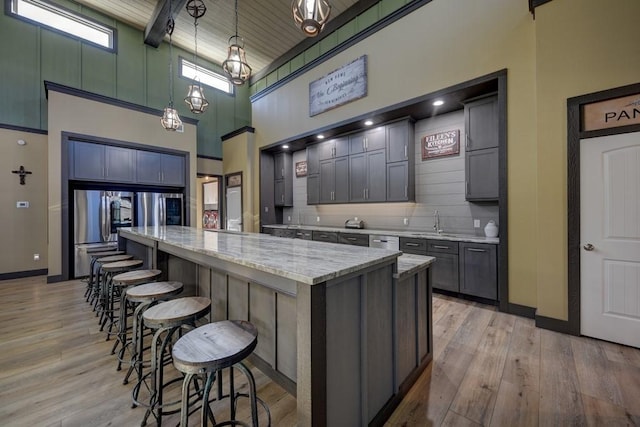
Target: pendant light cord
(170,25)
(236,21)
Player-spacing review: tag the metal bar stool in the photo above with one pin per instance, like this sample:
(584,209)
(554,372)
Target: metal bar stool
(206,351)
(92,287)
(166,318)
(99,302)
(110,295)
(121,282)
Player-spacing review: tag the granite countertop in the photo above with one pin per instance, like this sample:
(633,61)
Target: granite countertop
(415,234)
(409,264)
(304,261)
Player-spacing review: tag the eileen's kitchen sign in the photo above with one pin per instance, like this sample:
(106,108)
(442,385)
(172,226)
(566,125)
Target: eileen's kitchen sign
(339,87)
(612,113)
(441,144)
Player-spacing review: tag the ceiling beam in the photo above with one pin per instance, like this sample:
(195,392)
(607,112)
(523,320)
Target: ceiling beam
(156,28)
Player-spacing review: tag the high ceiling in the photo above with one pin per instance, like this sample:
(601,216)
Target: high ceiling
(267,26)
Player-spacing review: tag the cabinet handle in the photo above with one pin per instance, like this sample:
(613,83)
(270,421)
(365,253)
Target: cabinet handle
(440,247)
(405,151)
(405,191)
(476,250)
(351,238)
(364,193)
(411,244)
(467,186)
(282,173)
(282,198)
(367,191)
(466,140)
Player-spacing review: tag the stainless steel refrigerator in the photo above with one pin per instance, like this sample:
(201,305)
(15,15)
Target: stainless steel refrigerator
(154,209)
(97,215)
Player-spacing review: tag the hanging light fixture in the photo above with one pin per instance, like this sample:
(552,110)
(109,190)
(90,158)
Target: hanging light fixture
(195,97)
(311,15)
(170,119)
(235,66)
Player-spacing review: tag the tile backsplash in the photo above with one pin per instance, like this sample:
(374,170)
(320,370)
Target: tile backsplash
(440,184)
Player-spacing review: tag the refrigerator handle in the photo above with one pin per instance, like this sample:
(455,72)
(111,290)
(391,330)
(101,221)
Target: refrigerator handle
(163,208)
(104,216)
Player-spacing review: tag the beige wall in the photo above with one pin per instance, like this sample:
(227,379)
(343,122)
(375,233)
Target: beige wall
(440,47)
(23,231)
(78,115)
(573,47)
(239,154)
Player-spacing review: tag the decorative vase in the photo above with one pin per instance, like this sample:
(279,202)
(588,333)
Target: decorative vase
(491,229)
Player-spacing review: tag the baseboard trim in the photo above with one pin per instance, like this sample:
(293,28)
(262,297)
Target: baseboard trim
(555,325)
(522,310)
(21,274)
(55,279)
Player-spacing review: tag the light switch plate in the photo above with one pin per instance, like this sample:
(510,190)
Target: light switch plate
(476,223)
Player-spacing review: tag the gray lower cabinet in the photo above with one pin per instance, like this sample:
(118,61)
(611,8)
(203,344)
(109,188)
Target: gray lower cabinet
(284,232)
(304,234)
(478,270)
(415,246)
(160,168)
(482,175)
(444,272)
(355,239)
(325,236)
(334,176)
(98,162)
(368,177)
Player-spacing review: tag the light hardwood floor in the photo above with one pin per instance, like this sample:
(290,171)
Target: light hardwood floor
(489,368)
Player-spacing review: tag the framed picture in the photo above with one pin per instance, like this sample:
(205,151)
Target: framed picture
(441,144)
(301,169)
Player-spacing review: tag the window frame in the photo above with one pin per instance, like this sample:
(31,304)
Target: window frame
(182,60)
(66,13)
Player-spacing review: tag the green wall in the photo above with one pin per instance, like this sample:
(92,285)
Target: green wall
(137,73)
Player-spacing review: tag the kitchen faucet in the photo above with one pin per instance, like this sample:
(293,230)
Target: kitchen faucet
(436,222)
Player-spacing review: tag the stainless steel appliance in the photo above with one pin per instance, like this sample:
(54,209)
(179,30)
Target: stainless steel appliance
(354,223)
(384,242)
(159,209)
(97,215)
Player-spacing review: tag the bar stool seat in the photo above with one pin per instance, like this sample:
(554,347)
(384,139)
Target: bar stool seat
(111,269)
(121,282)
(206,351)
(99,298)
(96,253)
(166,318)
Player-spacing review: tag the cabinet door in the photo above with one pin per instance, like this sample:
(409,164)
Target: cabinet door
(409,245)
(398,142)
(325,236)
(280,166)
(375,139)
(377,176)
(119,164)
(478,270)
(355,239)
(325,150)
(88,161)
(173,170)
(356,143)
(327,181)
(397,182)
(267,191)
(341,182)
(482,174)
(444,272)
(481,123)
(278,191)
(313,159)
(313,189)
(148,167)
(341,147)
(357,177)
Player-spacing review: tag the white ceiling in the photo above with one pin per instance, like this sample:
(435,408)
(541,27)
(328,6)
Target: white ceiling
(267,26)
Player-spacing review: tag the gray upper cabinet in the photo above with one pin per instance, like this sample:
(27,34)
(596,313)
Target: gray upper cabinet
(481,168)
(267,194)
(98,162)
(399,141)
(160,168)
(334,174)
(313,159)
(368,177)
(283,179)
(478,270)
(481,123)
(313,189)
(398,187)
(400,162)
(337,147)
(369,140)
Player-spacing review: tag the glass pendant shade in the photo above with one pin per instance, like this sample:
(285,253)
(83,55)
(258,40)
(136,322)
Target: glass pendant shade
(235,66)
(311,15)
(170,119)
(195,99)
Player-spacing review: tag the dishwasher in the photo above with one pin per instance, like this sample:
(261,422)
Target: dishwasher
(384,242)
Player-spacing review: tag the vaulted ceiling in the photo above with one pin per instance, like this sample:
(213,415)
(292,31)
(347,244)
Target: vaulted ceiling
(267,26)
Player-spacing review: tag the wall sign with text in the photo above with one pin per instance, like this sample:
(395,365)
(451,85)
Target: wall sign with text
(441,144)
(339,87)
(301,169)
(612,113)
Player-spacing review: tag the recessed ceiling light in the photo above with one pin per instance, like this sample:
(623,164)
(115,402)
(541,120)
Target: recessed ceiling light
(321,136)
(285,146)
(368,122)
(438,103)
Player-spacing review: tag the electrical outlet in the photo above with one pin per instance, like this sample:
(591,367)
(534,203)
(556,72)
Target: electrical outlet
(476,223)
(36,257)
(405,221)
(289,218)
(317,219)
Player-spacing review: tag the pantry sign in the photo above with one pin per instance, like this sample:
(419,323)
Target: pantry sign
(441,144)
(339,87)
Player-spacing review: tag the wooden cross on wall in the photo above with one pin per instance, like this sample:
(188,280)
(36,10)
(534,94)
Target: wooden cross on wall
(23,173)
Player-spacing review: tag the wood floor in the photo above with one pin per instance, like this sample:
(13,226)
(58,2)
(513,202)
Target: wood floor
(489,368)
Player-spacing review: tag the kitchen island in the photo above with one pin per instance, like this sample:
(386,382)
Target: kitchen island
(344,329)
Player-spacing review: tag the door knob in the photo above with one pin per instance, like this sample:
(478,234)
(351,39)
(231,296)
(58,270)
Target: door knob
(589,247)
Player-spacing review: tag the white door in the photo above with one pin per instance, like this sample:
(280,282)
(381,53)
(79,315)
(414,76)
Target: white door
(610,238)
(234,209)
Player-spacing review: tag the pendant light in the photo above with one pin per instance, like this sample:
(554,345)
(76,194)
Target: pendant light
(235,66)
(170,119)
(195,97)
(311,15)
